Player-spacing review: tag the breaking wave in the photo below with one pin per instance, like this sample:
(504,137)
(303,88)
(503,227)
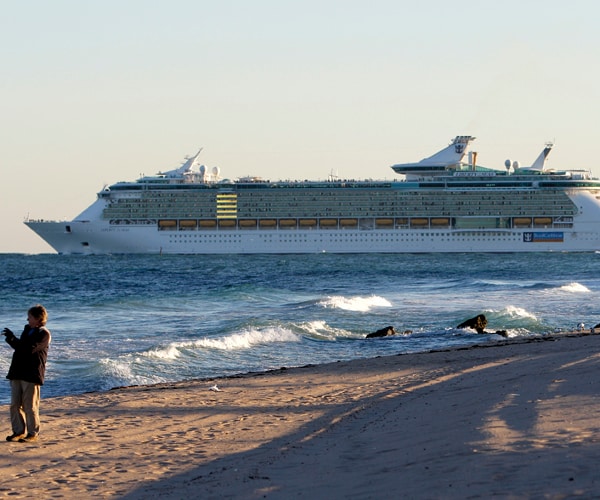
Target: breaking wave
(575,288)
(359,304)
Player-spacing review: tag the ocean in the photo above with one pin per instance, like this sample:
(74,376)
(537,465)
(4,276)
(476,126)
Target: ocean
(137,320)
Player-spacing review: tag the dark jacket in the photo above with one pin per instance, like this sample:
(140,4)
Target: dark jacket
(31,352)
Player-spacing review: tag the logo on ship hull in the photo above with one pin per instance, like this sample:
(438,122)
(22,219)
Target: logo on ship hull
(545,237)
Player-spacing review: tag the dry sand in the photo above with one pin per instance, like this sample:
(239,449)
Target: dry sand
(516,420)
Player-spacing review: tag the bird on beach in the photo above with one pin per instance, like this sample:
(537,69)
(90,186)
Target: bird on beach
(214,388)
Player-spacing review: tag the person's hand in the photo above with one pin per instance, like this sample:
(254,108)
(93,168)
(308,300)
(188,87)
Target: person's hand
(7,333)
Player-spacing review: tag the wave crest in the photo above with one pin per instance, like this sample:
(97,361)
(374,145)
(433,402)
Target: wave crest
(322,331)
(246,339)
(120,371)
(359,304)
(168,352)
(575,288)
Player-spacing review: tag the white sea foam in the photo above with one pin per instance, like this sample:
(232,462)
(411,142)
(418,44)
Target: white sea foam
(168,352)
(359,304)
(517,312)
(321,329)
(117,367)
(314,327)
(247,339)
(516,321)
(575,288)
(119,372)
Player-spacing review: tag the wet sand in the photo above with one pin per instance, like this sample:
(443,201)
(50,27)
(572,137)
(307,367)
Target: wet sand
(514,419)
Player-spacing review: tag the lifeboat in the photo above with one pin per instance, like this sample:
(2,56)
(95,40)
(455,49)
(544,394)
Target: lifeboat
(227,223)
(542,221)
(188,224)
(522,221)
(246,223)
(384,222)
(208,223)
(419,222)
(308,222)
(348,222)
(167,224)
(267,223)
(287,223)
(443,221)
(328,222)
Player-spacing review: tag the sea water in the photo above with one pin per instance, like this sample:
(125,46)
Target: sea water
(130,320)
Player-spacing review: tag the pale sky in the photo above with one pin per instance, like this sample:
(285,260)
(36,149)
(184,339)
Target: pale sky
(95,92)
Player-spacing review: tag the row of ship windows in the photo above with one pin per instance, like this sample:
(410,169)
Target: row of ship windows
(190,238)
(285,206)
(318,205)
(439,201)
(343,210)
(350,194)
(134,214)
(360,198)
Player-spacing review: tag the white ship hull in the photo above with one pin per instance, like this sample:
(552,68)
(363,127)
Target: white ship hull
(99,238)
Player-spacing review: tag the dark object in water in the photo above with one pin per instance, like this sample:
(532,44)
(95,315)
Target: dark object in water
(384,332)
(478,323)
(388,331)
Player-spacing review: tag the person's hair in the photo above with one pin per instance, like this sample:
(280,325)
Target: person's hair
(39,312)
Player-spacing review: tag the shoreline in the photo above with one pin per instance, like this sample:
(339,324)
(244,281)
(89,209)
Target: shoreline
(511,418)
(497,343)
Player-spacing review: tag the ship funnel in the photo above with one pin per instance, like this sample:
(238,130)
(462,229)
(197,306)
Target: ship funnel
(540,161)
(449,157)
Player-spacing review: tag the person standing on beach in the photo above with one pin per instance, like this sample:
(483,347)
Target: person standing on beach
(26,374)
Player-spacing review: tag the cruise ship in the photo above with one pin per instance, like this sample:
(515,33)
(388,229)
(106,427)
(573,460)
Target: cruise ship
(443,203)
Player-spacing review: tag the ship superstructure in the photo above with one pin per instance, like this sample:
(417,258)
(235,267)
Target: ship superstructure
(444,203)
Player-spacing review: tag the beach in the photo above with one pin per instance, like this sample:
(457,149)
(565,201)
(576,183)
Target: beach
(512,419)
